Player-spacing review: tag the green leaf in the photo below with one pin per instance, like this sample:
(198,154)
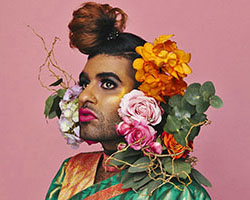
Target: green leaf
(194,132)
(57,82)
(175,100)
(202,106)
(172,124)
(127,180)
(180,113)
(188,107)
(55,109)
(180,137)
(192,94)
(142,182)
(61,92)
(216,102)
(198,117)
(48,104)
(139,176)
(141,163)
(207,90)
(200,178)
(180,166)
(52,115)
(151,186)
(129,156)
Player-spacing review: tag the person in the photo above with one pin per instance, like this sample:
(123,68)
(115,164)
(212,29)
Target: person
(97,31)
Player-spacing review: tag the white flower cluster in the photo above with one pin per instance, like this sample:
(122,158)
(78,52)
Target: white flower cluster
(68,122)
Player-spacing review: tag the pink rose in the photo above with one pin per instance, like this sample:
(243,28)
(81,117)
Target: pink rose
(136,131)
(139,107)
(121,146)
(155,147)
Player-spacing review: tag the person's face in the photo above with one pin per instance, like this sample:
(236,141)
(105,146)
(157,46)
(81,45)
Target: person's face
(105,80)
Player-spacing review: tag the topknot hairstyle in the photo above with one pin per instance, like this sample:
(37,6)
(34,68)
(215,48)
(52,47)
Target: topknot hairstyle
(98,29)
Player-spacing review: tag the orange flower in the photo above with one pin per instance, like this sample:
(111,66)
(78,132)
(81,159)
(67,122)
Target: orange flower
(161,68)
(174,148)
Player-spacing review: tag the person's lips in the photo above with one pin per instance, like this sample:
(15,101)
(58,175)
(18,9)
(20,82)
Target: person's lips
(86,115)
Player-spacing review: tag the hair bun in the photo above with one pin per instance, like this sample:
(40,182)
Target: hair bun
(93,23)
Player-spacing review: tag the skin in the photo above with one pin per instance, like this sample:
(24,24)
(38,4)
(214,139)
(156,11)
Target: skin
(105,80)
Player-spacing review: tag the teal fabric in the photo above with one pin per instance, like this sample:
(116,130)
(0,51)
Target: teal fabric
(56,183)
(167,192)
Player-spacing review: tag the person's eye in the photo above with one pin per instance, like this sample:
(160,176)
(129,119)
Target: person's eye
(83,84)
(108,84)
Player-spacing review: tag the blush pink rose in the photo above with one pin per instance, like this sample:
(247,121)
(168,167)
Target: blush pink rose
(155,147)
(135,131)
(139,107)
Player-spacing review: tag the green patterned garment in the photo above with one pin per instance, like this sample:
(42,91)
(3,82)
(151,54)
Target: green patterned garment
(105,190)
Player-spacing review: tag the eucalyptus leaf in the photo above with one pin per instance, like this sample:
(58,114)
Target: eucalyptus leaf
(179,167)
(200,178)
(48,104)
(175,101)
(180,138)
(141,163)
(198,117)
(61,92)
(216,102)
(56,83)
(180,113)
(207,90)
(194,132)
(187,106)
(192,94)
(172,124)
(202,106)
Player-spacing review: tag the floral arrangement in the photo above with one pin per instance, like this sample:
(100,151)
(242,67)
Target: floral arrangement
(161,119)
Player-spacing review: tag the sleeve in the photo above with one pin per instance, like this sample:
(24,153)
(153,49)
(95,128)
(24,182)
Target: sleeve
(56,183)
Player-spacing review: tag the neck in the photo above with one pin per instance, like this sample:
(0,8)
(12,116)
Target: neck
(111,146)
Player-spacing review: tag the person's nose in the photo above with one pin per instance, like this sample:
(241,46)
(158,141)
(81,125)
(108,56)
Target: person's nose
(87,96)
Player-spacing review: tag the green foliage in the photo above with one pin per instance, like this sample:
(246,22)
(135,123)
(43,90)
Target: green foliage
(207,90)
(172,124)
(48,104)
(52,108)
(61,92)
(216,102)
(56,83)
(130,155)
(140,165)
(200,178)
(184,111)
(179,167)
(192,94)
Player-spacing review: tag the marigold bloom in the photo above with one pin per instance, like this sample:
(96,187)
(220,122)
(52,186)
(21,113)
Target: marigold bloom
(174,148)
(162,68)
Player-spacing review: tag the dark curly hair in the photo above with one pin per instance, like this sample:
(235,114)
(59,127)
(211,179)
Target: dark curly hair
(98,29)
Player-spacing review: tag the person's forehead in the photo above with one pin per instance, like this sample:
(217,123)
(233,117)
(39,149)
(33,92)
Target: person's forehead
(105,64)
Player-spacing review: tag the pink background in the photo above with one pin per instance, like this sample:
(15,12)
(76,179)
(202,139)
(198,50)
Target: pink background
(215,32)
